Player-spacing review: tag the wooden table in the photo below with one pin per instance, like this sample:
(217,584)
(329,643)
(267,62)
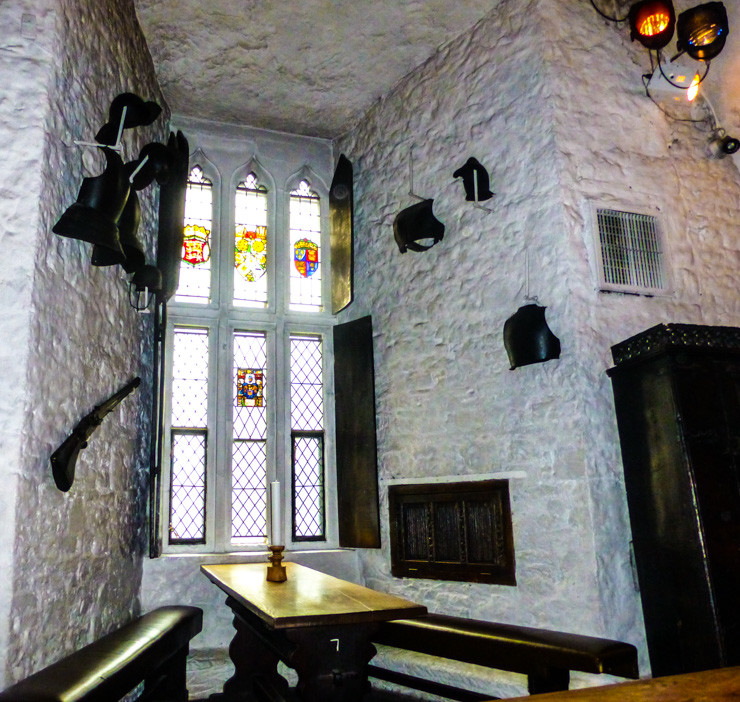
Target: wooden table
(706,686)
(315,623)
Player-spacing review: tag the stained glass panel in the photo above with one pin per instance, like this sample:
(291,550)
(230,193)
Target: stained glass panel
(249,387)
(305,251)
(249,452)
(250,244)
(307,424)
(195,267)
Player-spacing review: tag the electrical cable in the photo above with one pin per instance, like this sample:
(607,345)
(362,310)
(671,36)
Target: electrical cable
(645,79)
(682,87)
(715,121)
(605,16)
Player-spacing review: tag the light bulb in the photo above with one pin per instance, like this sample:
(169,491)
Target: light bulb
(693,90)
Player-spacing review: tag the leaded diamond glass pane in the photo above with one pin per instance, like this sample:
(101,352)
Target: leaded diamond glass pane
(250,244)
(249,491)
(195,267)
(307,423)
(305,249)
(249,453)
(308,487)
(188,487)
(306,383)
(189,378)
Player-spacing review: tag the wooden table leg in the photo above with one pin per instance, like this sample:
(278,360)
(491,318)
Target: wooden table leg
(254,654)
(331,662)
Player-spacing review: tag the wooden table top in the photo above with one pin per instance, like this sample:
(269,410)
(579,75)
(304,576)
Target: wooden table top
(706,686)
(307,598)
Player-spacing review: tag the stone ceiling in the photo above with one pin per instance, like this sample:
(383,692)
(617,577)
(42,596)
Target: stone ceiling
(308,67)
(313,67)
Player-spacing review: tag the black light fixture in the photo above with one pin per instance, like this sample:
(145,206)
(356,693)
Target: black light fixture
(721,144)
(652,22)
(702,31)
(144,287)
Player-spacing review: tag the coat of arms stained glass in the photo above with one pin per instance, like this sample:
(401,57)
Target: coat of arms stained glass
(196,244)
(249,387)
(250,255)
(306,257)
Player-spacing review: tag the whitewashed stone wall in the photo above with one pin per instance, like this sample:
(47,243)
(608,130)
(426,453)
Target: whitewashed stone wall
(24,55)
(548,97)
(69,336)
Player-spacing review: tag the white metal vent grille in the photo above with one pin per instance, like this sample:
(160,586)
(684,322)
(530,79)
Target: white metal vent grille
(631,252)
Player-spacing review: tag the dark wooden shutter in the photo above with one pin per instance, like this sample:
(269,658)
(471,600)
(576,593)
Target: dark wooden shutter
(357,464)
(157,425)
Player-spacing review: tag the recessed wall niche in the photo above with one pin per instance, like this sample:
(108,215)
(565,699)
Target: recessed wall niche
(452,531)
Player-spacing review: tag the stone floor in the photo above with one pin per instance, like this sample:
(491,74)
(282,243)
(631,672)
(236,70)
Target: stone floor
(208,670)
(376,696)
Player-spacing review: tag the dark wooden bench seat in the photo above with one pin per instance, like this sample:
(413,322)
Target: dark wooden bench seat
(546,657)
(152,649)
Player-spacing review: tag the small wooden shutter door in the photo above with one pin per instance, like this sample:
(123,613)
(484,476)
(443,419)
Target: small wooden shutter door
(357,465)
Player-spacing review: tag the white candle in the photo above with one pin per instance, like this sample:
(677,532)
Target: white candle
(276,531)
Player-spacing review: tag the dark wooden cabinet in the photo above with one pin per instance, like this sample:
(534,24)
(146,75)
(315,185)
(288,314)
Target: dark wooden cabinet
(677,398)
(452,531)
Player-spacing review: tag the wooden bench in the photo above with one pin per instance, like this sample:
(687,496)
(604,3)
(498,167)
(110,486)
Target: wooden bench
(545,657)
(152,649)
(704,686)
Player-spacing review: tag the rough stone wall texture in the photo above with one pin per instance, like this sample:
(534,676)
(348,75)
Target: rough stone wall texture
(548,97)
(77,555)
(24,55)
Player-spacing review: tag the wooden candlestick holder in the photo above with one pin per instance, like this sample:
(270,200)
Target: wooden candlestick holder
(276,572)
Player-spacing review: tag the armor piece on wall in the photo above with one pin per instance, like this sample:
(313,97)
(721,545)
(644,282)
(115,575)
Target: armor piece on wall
(139,113)
(475,180)
(100,203)
(128,226)
(154,162)
(417,223)
(528,339)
